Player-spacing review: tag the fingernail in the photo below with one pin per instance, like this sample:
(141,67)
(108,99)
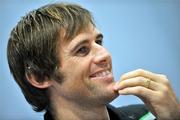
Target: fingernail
(120,92)
(116,86)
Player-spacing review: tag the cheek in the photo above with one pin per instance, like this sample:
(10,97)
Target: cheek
(76,70)
(75,80)
(77,65)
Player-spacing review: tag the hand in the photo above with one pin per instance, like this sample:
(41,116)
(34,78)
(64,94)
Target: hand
(154,90)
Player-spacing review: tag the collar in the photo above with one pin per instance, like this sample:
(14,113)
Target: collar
(114,114)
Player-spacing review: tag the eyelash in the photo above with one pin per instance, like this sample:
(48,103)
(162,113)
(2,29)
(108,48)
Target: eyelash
(100,42)
(84,50)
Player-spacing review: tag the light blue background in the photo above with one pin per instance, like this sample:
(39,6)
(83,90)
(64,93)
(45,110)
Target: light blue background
(138,34)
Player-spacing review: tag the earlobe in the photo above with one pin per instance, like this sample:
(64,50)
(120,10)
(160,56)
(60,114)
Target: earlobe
(32,79)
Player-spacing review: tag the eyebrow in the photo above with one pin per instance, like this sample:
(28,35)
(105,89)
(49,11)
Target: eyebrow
(98,36)
(79,44)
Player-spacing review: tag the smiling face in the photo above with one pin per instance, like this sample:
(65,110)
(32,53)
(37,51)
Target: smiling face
(87,69)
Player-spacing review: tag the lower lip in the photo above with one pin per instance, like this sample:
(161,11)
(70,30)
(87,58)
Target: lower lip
(108,78)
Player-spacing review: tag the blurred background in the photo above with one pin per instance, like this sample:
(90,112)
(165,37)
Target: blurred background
(138,34)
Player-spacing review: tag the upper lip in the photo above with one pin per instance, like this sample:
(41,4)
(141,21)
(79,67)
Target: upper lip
(98,71)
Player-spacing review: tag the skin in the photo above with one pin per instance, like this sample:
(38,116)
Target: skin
(84,92)
(158,95)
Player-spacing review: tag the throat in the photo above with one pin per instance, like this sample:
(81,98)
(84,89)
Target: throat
(81,113)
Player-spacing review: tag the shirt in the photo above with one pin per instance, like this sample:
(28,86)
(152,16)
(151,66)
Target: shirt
(131,112)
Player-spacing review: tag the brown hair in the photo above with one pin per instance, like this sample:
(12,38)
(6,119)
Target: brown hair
(33,43)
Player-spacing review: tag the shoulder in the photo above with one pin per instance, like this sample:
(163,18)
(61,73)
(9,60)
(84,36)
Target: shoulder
(130,112)
(134,110)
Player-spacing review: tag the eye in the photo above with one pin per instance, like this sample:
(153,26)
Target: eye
(84,50)
(100,42)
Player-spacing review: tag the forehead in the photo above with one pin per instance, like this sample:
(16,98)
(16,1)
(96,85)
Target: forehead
(88,33)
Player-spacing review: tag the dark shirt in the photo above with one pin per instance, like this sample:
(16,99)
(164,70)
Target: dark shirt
(131,112)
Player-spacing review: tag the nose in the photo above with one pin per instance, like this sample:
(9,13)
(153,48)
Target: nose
(102,57)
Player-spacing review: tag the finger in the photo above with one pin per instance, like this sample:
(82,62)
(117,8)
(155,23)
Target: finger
(143,93)
(144,73)
(139,72)
(139,91)
(138,81)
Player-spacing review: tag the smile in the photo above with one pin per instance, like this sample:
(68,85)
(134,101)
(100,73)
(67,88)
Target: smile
(101,74)
(104,75)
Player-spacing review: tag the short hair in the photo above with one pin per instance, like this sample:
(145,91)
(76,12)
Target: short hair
(33,43)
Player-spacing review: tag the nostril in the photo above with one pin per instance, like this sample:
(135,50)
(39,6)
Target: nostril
(103,64)
(103,61)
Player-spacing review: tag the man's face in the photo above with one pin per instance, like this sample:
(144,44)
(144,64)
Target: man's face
(87,69)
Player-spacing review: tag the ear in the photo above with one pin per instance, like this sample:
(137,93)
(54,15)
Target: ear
(32,79)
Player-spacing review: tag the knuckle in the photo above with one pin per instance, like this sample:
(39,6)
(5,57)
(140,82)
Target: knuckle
(165,80)
(140,80)
(139,90)
(163,76)
(165,90)
(162,95)
(140,71)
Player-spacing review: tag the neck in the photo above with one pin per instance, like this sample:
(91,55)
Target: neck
(66,110)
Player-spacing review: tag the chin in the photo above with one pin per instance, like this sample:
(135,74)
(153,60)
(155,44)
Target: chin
(113,96)
(108,96)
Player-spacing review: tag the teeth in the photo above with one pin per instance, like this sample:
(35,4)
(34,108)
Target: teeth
(101,74)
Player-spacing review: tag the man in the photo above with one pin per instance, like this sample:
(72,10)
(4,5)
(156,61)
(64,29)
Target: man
(56,56)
